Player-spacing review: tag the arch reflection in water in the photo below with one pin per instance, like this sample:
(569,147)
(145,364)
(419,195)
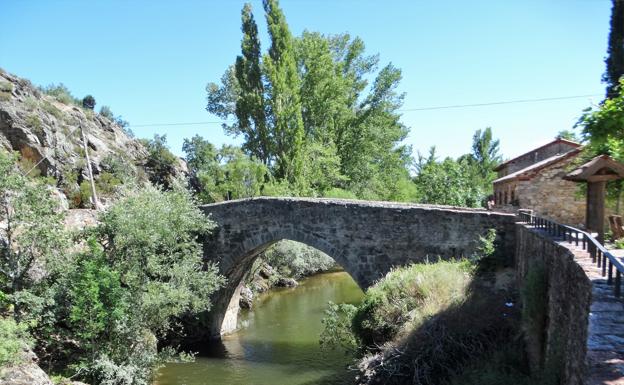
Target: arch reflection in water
(279,344)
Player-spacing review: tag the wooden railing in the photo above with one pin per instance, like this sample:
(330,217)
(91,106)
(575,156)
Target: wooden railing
(599,254)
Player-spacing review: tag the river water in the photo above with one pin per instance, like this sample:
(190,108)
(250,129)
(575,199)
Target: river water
(278,343)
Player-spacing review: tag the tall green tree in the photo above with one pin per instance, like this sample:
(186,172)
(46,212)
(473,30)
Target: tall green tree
(615,51)
(250,103)
(485,153)
(283,93)
(329,129)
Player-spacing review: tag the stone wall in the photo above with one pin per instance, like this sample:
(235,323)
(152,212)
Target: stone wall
(550,196)
(568,300)
(366,238)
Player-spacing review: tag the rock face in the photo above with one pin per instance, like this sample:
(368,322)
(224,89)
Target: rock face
(47,134)
(25,373)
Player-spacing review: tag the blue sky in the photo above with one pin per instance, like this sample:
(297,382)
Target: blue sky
(150,60)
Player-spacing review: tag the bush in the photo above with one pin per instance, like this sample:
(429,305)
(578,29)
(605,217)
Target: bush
(160,162)
(13,338)
(52,110)
(61,93)
(407,296)
(34,123)
(88,102)
(27,166)
(296,260)
(336,332)
(6,89)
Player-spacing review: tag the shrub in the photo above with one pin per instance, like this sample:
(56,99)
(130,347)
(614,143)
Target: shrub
(85,193)
(52,110)
(6,89)
(106,112)
(120,168)
(34,123)
(160,162)
(107,183)
(31,103)
(88,102)
(294,259)
(408,296)
(13,338)
(61,93)
(336,332)
(27,166)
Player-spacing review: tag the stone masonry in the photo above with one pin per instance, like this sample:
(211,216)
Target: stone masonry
(366,238)
(550,196)
(583,313)
(567,300)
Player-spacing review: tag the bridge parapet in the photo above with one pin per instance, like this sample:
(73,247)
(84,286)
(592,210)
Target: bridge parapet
(585,312)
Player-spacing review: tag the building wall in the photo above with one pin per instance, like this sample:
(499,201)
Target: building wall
(550,196)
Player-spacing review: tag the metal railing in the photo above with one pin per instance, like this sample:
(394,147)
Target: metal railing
(599,254)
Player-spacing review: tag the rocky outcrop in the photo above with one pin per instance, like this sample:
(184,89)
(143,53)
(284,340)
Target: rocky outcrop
(286,282)
(27,372)
(46,133)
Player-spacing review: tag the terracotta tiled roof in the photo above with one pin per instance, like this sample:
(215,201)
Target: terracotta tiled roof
(558,140)
(530,171)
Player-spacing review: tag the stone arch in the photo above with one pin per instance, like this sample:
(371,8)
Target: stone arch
(224,317)
(366,238)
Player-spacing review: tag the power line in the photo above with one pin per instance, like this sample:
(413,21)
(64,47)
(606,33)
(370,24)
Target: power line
(174,124)
(517,101)
(498,103)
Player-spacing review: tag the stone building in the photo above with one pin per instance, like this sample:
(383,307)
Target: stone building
(534,180)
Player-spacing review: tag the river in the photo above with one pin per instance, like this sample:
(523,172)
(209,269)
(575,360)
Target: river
(278,343)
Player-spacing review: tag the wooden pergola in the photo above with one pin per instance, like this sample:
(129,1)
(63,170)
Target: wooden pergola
(596,173)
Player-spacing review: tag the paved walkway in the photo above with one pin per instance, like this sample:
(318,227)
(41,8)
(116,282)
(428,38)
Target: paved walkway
(605,342)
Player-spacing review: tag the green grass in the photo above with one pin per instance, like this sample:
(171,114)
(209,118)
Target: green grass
(408,296)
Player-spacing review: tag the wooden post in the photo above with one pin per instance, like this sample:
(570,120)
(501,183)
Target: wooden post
(595,208)
(96,204)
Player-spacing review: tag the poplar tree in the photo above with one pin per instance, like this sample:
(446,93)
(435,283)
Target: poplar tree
(615,60)
(283,95)
(250,104)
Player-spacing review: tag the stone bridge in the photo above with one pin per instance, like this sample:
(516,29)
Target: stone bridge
(366,238)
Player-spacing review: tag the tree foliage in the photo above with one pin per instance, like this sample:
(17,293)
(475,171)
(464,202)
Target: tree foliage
(88,102)
(311,115)
(142,270)
(225,173)
(32,235)
(160,162)
(615,51)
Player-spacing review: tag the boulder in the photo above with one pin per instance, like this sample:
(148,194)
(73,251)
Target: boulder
(246,298)
(27,372)
(286,282)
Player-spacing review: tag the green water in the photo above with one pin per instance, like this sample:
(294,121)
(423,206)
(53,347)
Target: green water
(278,343)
